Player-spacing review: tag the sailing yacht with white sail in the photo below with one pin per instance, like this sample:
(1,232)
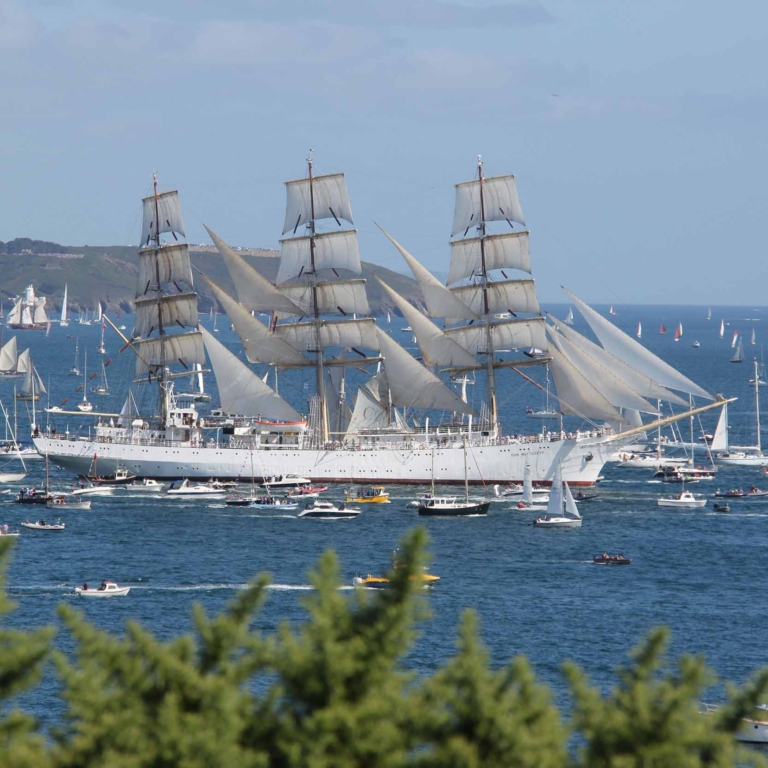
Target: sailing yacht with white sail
(75,369)
(320,303)
(32,386)
(9,360)
(562,511)
(64,322)
(28,313)
(85,404)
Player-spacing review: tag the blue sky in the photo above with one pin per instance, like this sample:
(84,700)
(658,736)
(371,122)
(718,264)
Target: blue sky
(637,132)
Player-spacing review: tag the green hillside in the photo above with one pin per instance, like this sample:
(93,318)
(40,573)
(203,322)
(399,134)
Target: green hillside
(108,274)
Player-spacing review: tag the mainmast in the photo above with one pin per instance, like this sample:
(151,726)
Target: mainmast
(163,380)
(494,419)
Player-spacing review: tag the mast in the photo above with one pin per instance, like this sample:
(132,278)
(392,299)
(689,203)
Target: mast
(162,382)
(320,369)
(466,474)
(757,409)
(493,415)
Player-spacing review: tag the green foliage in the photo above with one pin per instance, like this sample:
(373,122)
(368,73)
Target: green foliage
(335,692)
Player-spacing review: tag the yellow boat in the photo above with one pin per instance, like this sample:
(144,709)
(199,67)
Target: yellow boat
(382,582)
(374,494)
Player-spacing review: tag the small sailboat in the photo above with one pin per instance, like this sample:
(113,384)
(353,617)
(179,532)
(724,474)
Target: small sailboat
(528,502)
(612,311)
(85,405)
(102,388)
(738,355)
(744,456)
(696,345)
(75,369)
(752,340)
(102,346)
(679,332)
(734,339)
(709,313)
(215,320)
(722,328)
(562,511)
(546,412)
(569,317)
(639,333)
(32,386)
(663,329)
(64,322)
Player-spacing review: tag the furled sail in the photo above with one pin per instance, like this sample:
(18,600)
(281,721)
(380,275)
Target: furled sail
(641,383)
(241,391)
(261,345)
(174,267)
(23,365)
(9,355)
(176,310)
(576,393)
(40,317)
(626,348)
(182,348)
(168,205)
(369,413)
(439,300)
(501,203)
(333,250)
(507,335)
(503,296)
(345,296)
(411,385)
(333,333)
(436,347)
(506,251)
(329,200)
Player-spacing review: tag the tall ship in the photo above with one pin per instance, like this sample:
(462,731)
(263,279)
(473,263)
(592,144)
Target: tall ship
(408,424)
(28,313)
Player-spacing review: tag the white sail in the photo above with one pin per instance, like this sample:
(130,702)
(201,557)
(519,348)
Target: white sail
(333,333)
(378,386)
(345,296)
(177,310)
(503,296)
(506,251)
(501,203)
(571,510)
(241,391)
(64,317)
(720,439)
(576,394)
(626,348)
(171,220)
(641,383)
(439,300)
(333,250)
(14,316)
(253,290)
(261,345)
(527,484)
(32,383)
(612,387)
(23,364)
(513,334)
(181,348)
(99,313)
(555,503)
(329,201)
(174,267)
(9,355)
(369,413)
(436,347)
(334,398)
(41,318)
(411,385)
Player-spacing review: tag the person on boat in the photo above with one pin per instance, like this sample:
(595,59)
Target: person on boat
(85,587)
(752,489)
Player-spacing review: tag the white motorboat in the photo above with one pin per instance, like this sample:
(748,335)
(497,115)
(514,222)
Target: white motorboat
(12,477)
(754,730)
(107,589)
(648,461)
(186,489)
(684,500)
(327,510)
(147,485)
(6,532)
(286,481)
(65,504)
(562,511)
(93,490)
(44,525)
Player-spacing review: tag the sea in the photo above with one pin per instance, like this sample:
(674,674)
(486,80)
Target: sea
(537,592)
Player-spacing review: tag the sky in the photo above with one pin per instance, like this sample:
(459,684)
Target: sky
(637,131)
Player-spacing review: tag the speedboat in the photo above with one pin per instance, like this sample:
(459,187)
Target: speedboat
(307,491)
(374,494)
(72,505)
(265,502)
(651,460)
(147,485)
(684,500)
(44,525)
(606,559)
(755,492)
(582,496)
(426,581)
(184,488)
(721,507)
(107,589)
(452,506)
(93,490)
(285,481)
(328,510)
(734,493)
(33,496)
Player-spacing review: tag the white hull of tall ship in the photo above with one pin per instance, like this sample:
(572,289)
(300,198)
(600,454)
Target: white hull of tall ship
(406,463)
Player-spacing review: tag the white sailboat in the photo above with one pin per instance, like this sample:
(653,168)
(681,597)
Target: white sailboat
(102,388)
(639,333)
(752,340)
(734,339)
(64,322)
(709,313)
(529,501)
(722,329)
(562,511)
(102,346)
(28,313)
(738,355)
(32,386)
(85,404)
(569,317)
(75,369)
(9,360)
(547,412)
(612,311)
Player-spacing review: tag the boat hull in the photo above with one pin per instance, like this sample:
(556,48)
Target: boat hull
(582,461)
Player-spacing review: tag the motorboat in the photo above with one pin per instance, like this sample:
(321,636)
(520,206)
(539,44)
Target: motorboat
(121,476)
(265,502)
(426,581)
(684,500)
(183,488)
(26,452)
(221,484)
(74,504)
(606,559)
(650,460)
(721,507)
(562,511)
(517,490)
(754,730)
(373,494)
(12,477)
(328,510)
(307,491)
(107,589)
(44,525)
(87,489)
(735,493)
(6,532)
(147,485)
(754,492)
(286,481)
(33,496)
(677,477)
(584,496)
(687,473)
(452,506)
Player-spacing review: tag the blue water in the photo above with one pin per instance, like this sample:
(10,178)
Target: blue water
(537,592)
